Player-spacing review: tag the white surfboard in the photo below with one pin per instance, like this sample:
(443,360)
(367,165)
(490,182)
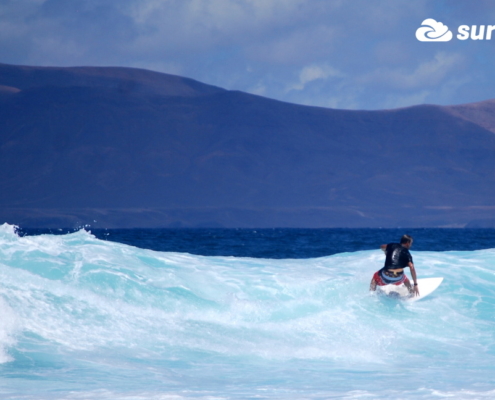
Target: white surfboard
(426,286)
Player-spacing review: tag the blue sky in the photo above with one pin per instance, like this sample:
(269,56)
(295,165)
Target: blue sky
(348,54)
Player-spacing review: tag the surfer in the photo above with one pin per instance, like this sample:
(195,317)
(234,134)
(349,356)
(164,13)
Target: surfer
(397,258)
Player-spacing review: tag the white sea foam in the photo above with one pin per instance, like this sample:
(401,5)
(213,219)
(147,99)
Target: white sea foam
(86,314)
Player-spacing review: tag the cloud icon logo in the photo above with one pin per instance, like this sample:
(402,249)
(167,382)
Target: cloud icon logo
(433,31)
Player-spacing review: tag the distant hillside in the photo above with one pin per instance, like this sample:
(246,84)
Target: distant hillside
(125,81)
(135,148)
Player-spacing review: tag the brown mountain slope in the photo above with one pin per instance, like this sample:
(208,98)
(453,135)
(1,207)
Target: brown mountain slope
(481,113)
(130,148)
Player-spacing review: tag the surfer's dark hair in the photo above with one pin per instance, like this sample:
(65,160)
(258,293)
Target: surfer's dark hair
(406,239)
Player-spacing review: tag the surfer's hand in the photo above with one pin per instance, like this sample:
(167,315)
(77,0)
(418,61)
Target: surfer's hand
(416,290)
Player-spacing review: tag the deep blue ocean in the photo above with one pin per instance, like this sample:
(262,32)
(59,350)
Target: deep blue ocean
(242,314)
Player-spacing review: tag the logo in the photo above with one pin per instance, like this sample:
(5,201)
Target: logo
(433,31)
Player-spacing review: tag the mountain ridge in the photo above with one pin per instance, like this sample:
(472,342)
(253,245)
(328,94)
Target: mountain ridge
(125,146)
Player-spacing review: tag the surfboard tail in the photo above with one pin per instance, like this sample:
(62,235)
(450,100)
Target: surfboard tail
(426,286)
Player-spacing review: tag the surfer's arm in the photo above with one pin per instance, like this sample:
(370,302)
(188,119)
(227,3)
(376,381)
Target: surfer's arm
(415,279)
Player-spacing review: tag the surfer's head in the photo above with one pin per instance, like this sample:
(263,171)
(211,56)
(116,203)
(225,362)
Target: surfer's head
(406,240)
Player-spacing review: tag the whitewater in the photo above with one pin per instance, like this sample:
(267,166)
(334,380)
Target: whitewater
(84,318)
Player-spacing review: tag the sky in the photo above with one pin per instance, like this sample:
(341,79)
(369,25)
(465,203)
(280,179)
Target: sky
(346,54)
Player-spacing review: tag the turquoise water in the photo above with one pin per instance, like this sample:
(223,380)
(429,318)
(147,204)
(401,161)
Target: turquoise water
(83,318)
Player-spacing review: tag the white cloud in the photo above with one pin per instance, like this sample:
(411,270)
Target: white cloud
(312,73)
(199,22)
(428,73)
(295,47)
(259,89)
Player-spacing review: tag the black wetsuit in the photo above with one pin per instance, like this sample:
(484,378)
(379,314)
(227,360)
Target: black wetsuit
(397,257)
